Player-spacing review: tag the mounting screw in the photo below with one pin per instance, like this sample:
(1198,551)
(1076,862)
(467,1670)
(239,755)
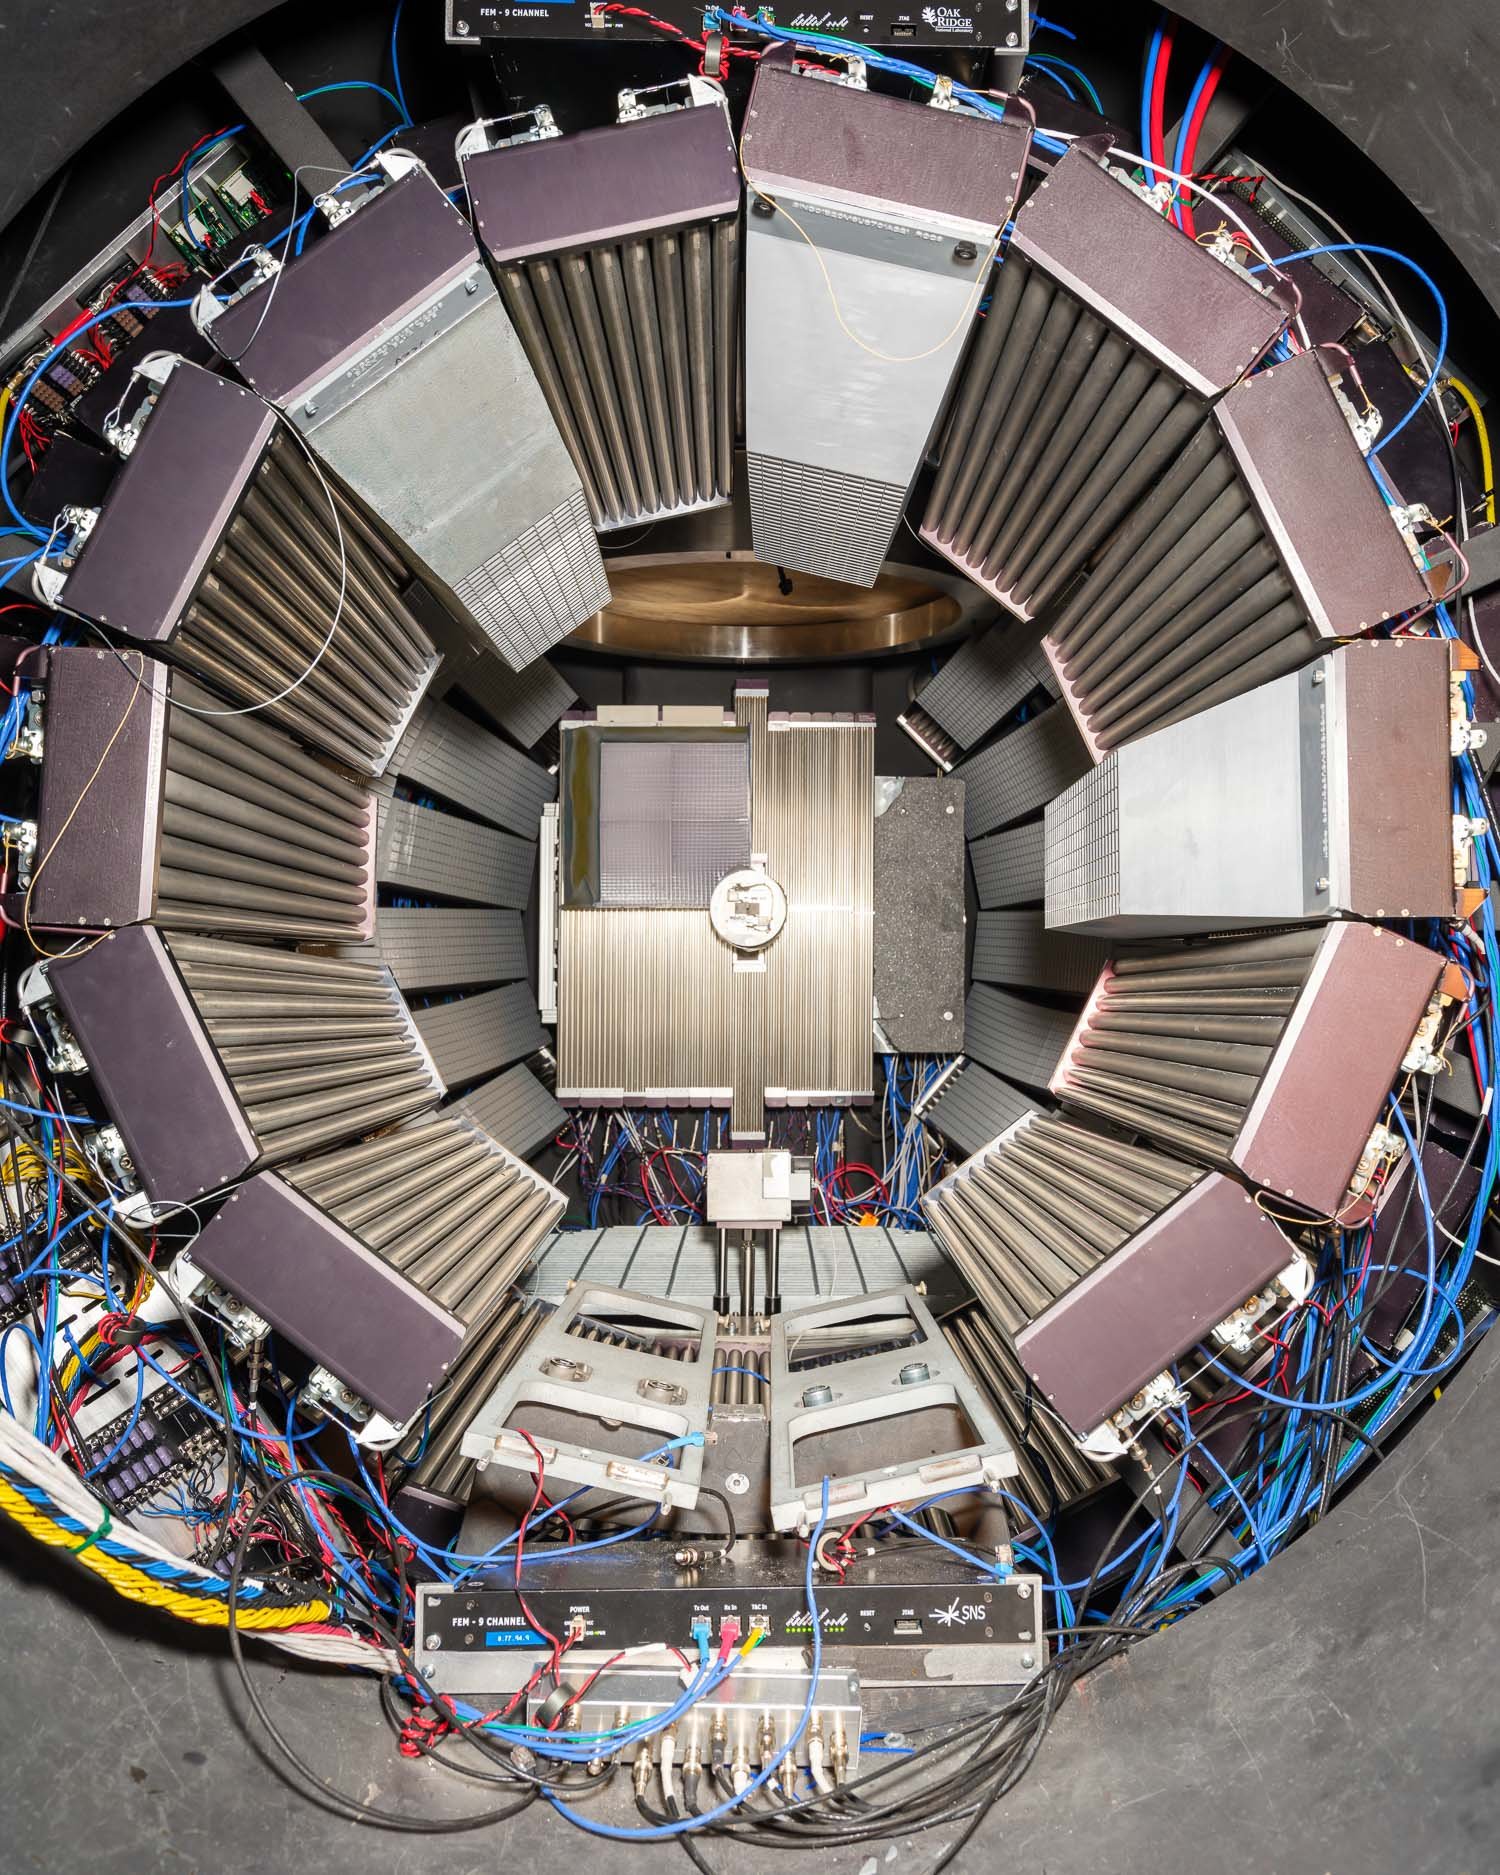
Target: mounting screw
(949,808)
(471,286)
(1319,677)
(1012,39)
(1028,1660)
(963,253)
(818,1396)
(310,408)
(737,1483)
(947,1015)
(1023,1589)
(1320,884)
(914,1374)
(462,27)
(433,1643)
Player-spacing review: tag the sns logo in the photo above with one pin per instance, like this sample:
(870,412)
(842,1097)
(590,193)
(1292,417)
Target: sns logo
(947,20)
(957,1614)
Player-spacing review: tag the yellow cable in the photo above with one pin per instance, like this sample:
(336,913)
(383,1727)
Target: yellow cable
(203,1612)
(1482,431)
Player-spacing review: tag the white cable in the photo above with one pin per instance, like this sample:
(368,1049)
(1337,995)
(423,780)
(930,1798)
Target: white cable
(815,1764)
(669,1770)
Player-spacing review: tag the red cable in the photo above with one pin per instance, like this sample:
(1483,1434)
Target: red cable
(1195,130)
(541,1473)
(1158,150)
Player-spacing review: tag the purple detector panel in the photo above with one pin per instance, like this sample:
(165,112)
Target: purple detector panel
(98,868)
(1136,1312)
(1322,507)
(155,1067)
(169,505)
(867,145)
(369,274)
(604,185)
(330,1296)
(1206,323)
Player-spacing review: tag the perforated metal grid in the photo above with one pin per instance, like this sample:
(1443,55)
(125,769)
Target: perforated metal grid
(790,506)
(975,1107)
(531,594)
(1083,849)
(1016,947)
(674,818)
(1008,867)
(985,680)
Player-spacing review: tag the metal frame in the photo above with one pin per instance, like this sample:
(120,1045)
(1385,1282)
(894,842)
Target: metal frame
(631,1386)
(873,1387)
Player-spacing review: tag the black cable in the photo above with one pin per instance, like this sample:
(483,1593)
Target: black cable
(732,1536)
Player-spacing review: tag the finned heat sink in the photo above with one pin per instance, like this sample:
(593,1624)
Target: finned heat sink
(273,1054)
(427,1470)
(654,1004)
(387,346)
(1100,1261)
(617,252)
(871,226)
(1106,336)
(379,1259)
(1052,1472)
(1267,538)
(159,803)
(1273,1056)
(269,584)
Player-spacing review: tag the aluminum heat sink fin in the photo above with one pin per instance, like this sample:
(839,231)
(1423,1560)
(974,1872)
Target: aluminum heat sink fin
(1270,1056)
(1021,771)
(1087,383)
(871,228)
(200,819)
(1253,552)
(387,345)
(263,559)
(974,1106)
(378,1260)
(274,1054)
(1277,806)
(1100,1261)
(617,254)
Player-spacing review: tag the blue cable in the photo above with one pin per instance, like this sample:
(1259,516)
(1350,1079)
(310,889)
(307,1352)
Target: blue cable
(1386,253)
(1179,154)
(41,1113)
(1057,78)
(997,1570)
(1048,61)
(1051,26)
(396,62)
(1147,85)
(7,440)
(662,1832)
(749,1371)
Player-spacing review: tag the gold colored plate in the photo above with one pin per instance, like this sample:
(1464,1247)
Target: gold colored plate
(712,606)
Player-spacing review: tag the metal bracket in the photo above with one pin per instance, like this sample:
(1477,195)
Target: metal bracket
(698,89)
(474,138)
(874,1391)
(564,1381)
(59,1045)
(243,1326)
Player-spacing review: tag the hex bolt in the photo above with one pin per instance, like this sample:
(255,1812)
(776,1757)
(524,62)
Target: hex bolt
(914,1373)
(817,1396)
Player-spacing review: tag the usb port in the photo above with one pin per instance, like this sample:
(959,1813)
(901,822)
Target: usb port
(906,1624)
(903,32)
